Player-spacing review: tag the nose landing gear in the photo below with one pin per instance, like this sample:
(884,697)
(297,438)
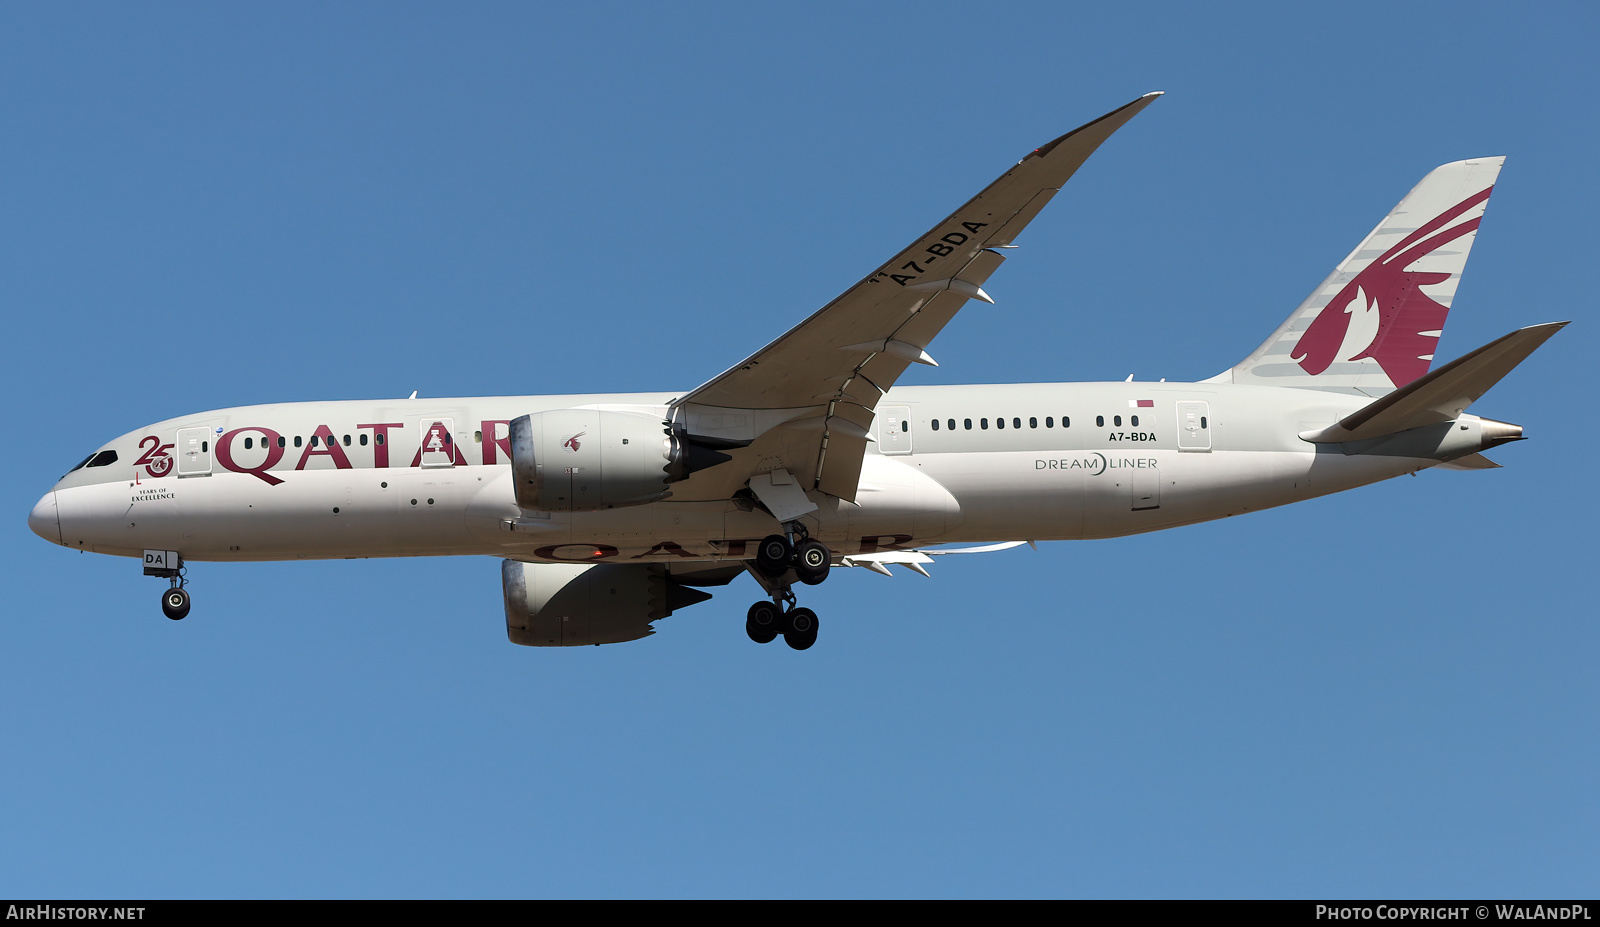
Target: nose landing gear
(779,560)
(168,565)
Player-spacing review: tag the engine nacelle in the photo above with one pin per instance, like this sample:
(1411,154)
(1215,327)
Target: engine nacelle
(581,460)
(570,604)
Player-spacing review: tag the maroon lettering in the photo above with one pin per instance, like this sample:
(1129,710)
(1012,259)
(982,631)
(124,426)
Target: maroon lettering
(155,461)
(269,441)
(329,447)
(491,440)
(876,542)
(437,440)
(380,440)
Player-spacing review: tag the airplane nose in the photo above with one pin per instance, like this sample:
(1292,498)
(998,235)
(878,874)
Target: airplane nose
(43,519)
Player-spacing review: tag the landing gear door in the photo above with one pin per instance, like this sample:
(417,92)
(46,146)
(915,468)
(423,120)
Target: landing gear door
(1194,425)
(894,429)
(194,452)
(438,448)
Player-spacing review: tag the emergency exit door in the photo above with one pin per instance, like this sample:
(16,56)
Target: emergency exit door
(894,430)
(1194,425)
(194,451)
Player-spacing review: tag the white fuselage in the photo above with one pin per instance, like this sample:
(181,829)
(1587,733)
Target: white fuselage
(1024,461)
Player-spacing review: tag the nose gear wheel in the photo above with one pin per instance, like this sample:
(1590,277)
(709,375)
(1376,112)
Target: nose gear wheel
(175,603)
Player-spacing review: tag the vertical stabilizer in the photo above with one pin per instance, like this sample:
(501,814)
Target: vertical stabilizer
(1372,325)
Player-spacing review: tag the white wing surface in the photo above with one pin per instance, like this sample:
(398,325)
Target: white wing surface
(804,403)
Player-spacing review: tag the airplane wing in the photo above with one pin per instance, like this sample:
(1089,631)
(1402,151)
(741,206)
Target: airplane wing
(801,407)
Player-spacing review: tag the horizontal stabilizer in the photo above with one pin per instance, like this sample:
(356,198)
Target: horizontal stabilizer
(1442,395)
(1470,462)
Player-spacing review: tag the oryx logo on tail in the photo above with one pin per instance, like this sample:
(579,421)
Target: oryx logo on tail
(571,443)
(1383,313)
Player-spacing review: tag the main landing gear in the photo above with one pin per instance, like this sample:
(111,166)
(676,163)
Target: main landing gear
(779,558)
(766,620)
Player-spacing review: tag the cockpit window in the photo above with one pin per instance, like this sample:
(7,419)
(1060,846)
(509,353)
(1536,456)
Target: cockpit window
(103,458)
(81,464)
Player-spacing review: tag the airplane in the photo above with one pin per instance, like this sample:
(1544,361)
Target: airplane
(613,511)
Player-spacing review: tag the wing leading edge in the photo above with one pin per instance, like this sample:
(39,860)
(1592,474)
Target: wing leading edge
(805,402)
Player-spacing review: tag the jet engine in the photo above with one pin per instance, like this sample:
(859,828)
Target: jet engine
(568,604)
(581,460)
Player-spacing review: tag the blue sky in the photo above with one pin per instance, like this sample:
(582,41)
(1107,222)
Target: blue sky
(1389,692)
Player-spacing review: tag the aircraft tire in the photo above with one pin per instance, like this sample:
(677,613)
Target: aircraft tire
(773,556)
(762,622)
(175,604)
(800,628)
(811,562)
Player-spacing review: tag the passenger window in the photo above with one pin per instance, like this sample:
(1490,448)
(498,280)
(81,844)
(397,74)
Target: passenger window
(205,447)
(313,441)
(983,423)
(1066,422)
(1134,420)
(281,442)
(1099,421)
(380,438)
(363,440)
(296,440)
(905,428)
(1016,423)
(1049,421)
(1033,422)
(935,424)
(346,440)
(1116,420)
(247,444)
(969,423)
(1000,423)
(952,424)
(1202,421)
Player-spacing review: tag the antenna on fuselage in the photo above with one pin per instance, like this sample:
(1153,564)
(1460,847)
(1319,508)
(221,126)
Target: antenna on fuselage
(413,395)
